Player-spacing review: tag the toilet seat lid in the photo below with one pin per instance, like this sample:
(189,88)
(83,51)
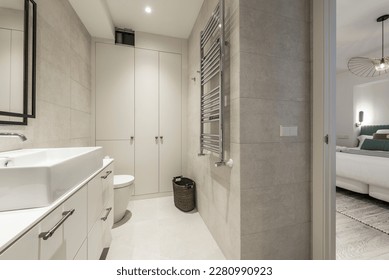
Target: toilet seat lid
(120,181)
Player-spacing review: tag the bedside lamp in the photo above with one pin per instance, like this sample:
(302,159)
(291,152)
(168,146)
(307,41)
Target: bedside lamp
(358,124)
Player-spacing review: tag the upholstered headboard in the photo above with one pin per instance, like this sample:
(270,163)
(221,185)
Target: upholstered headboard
(371,129)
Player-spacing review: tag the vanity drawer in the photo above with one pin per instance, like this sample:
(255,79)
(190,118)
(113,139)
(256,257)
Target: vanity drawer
(107,182)
(95,200)
(75,228)
(68,226)
(100,235)
(107,237)
(52,247)
(99,192)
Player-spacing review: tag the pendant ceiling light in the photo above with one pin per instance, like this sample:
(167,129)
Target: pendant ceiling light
(371,67)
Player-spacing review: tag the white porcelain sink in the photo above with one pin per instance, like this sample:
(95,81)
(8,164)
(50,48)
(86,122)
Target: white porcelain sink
(37,177)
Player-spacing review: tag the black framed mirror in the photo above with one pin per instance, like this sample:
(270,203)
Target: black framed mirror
(18,24)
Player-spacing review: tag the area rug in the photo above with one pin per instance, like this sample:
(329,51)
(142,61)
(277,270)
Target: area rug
(364,209)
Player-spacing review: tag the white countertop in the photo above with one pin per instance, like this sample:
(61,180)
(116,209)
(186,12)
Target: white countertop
(14,224)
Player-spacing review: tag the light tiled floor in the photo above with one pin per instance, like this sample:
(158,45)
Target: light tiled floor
(158,230)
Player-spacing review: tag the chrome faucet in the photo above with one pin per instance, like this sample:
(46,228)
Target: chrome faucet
(12,134)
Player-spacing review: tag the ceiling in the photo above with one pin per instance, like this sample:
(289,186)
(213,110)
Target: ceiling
(173,18)
(168,17)
(358,33)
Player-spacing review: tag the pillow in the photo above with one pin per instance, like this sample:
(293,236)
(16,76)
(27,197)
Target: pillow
(383,131)
(382,136)
(376,145)
(362,138)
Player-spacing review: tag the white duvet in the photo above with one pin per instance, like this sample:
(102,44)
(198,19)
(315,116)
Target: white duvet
(366,169)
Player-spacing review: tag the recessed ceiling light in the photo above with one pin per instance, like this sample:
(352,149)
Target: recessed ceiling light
(148,10)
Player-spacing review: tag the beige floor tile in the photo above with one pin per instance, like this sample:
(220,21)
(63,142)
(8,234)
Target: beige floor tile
(158,230)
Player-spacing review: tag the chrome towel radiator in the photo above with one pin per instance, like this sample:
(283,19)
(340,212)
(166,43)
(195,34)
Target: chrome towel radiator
(212,44)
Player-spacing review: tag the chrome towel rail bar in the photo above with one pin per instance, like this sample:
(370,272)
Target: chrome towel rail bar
(212,44)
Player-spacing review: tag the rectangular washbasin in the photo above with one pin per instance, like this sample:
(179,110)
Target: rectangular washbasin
(33,178)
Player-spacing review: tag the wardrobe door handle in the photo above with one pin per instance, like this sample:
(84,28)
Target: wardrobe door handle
(65,215)
(156,139)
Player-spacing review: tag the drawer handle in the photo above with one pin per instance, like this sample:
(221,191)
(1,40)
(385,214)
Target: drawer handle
(106,216)
(65,215)
(106,175)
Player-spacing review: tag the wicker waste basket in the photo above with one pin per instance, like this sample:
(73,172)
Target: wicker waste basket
(184,193)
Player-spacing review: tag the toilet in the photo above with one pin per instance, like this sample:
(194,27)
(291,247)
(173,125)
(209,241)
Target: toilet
(123,190)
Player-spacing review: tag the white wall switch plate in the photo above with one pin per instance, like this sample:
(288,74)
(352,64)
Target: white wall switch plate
(288,131)
(283,131)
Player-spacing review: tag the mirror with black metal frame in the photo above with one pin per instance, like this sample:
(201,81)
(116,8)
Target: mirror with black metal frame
(18,24)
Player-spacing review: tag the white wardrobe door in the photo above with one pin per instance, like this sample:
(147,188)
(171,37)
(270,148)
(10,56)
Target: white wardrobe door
(170,119)
(146,122)
(114,92)
(123,153)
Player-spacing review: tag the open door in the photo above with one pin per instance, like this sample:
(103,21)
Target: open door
(324,130)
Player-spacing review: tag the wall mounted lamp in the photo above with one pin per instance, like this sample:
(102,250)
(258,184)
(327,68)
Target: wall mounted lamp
(360,119)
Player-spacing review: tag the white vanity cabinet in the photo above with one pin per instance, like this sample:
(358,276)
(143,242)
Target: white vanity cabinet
(26,248)
(79,228)
(68,237)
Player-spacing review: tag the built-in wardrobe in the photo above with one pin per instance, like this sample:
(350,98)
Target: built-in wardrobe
(138,113)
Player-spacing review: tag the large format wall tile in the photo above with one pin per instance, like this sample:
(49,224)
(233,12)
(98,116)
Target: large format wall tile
(287,243)
(80,97)
(51,85)
(260,120)
(283,8)
(260,214)
(271,77)
(269,164)
(264,33)
(80,124)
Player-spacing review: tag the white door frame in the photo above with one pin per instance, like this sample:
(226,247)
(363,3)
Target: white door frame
(323,123)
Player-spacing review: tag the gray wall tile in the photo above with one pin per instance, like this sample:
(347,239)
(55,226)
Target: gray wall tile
(275,206)
(287,243)
(260,120)
(265,33)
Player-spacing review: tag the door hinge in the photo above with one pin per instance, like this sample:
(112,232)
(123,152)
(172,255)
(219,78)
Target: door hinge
(326,139)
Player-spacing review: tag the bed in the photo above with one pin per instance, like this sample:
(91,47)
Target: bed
(365,169)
